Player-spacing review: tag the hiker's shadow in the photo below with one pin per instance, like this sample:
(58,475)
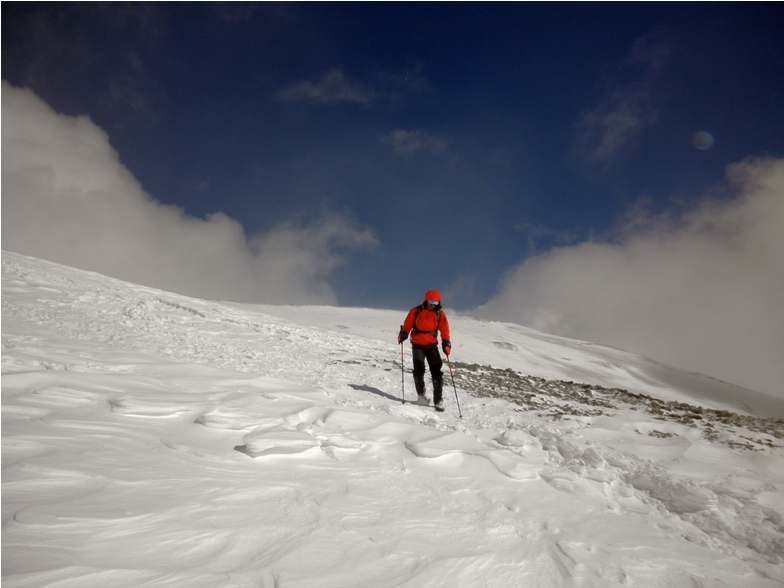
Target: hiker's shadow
(372,390)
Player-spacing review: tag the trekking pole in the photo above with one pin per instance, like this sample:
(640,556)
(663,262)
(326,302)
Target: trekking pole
(449,363)
(402,371)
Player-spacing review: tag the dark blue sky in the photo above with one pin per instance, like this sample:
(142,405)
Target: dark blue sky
(466,136)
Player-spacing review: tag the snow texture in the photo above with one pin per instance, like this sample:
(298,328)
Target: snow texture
(151,439)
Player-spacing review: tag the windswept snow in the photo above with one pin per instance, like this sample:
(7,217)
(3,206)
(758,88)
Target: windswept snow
(151,439)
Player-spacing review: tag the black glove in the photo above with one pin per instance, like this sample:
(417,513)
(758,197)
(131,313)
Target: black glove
(402,335)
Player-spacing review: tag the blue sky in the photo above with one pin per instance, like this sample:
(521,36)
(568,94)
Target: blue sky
(383,149)
(286,112)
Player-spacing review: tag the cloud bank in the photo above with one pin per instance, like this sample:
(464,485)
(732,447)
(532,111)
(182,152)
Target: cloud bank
(703,292)
(67,198)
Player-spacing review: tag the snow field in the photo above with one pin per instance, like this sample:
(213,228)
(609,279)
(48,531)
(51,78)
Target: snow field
(155,440)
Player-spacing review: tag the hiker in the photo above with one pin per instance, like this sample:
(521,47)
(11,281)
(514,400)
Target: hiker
(424,322)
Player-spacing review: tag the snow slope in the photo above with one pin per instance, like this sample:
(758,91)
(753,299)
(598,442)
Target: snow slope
(151,439)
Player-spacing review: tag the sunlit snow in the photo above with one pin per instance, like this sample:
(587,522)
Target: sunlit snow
(151,439)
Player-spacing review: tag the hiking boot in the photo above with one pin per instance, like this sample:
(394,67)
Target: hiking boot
(439,406)
(422,399)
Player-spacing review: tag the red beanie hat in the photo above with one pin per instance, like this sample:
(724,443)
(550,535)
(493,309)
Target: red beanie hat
(433,295)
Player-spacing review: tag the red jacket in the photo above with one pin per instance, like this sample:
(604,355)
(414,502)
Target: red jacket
(424,332)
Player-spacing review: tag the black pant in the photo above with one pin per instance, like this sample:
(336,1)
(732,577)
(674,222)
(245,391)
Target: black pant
(429,352)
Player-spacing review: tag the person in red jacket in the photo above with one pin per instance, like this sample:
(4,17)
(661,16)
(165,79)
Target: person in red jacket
(424,322)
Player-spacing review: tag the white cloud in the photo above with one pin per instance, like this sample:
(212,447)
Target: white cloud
(332,88)
(67,198)
(702,292)
(618,119)
(409,143)
(625,110)
(384,90)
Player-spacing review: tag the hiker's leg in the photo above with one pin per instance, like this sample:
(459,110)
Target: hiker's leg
(435,363)
(419,368)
